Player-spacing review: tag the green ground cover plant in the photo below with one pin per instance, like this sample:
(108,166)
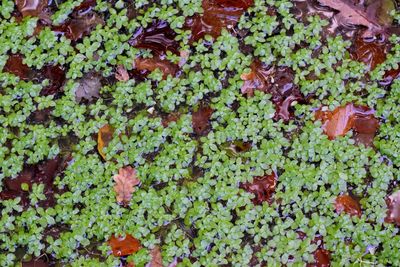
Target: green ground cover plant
(199,133)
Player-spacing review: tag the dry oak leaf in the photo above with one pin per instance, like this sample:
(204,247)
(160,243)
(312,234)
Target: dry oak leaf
(125,182)
(123,246)
(88,87)
(121,74)
(104,137)
(156,259)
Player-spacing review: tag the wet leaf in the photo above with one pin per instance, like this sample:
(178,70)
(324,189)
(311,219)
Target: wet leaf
(88,87)
(263,187)
(361,119)
(233,149)
(33,8)
(104,137)
(124,246)
(151,64)
(158,37)
(393,208)
(121,74)
(79,26)
(347,204)
(201,120)
(125,182)
(350,13)
(86,6)
(275,81)
(321,257)
(218,14)
(16,66)
(56,76)
(370,52)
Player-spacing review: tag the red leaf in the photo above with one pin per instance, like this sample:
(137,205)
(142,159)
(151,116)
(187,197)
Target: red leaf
(32,8)
(56,76)
(347,204)
(79,26)
(201,120)
(390,75)
(16,66)
(123,246)
(321,257)
(151,64)
(370,52)
(393,208)
(275,81)
(263,187)
(125,182)
(158,37)
(218,14)
(359,118)
(85,6)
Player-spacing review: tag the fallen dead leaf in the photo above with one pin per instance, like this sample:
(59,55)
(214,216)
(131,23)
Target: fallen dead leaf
(88,87)
(104,137)
(123,246)
(125,182)
(121,74)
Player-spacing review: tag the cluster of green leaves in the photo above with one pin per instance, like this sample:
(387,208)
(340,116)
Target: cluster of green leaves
(189,201)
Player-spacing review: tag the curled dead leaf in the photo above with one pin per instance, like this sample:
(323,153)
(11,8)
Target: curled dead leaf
(104,137)
(156,259)
(125,182)
(393,208)
(123,246)
(347,204)
(151,64)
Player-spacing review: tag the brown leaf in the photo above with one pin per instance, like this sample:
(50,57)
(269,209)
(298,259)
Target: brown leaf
(354,14)
(201,120)
(16,66)
(151,64)
(123,246)
(104,137)
(125,182)
(393,208)
(263,187)
(340,121)
(217,15)
(156,259)
(121,74)
(88,87)
(370,52)
(347,204)
(32,8)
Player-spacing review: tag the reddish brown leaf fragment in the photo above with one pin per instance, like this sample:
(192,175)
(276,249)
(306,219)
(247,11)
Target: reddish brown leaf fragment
(347,204)
(156,259)
(393,208)
(151,64)
(359,118)
(125,182)
(104,137)
(124,246)
(263,187)
(85,6)
(218,14)
(32,8)
(56,76)
(16,66)
(321,257)
(121,74)
(275,81)
(158,37)
(370,52)
(201,120)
